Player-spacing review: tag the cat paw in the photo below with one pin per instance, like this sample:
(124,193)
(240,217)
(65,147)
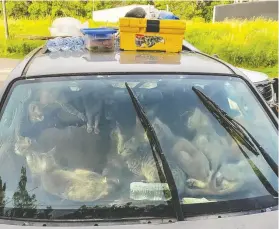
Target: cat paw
(96,130)
(89,129)
(193,183)
(82,117)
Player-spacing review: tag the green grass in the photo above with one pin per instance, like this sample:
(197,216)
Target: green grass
(270,71)
(249,44)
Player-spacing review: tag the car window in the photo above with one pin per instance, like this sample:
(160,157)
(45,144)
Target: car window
(77,141)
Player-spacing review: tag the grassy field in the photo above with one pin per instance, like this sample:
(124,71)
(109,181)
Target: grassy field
(249,44)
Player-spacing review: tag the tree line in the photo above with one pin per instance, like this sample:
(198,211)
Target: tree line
(83,8)
(24,203)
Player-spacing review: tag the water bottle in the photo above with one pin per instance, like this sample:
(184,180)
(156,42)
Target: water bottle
(78,53)
(78,43)
(75,44)
(149,191)
(54,55)
(66,44)
(52,46)
(59,42)
(66,54)
(81,41)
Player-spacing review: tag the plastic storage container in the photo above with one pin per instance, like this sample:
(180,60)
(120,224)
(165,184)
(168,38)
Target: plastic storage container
(156,35)
(101,39)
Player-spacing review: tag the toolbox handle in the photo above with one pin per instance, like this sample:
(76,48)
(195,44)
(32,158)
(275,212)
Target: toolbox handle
(153,26)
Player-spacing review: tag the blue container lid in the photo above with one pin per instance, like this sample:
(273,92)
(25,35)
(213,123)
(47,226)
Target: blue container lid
(99,31)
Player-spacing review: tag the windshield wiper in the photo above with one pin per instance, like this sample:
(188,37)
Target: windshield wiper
(240,134)
(157,150)
(236,129)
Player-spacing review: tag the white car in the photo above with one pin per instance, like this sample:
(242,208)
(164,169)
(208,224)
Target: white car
(261,80)
(135,140)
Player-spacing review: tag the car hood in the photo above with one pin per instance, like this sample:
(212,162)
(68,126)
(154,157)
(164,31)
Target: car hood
(268,220)
(254,76)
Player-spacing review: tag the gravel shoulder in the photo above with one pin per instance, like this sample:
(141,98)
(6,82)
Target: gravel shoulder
(6,66)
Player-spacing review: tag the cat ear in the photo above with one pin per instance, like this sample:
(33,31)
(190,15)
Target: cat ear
(145,136)
(104,180)
(28,140)
(117,125)
(32,107)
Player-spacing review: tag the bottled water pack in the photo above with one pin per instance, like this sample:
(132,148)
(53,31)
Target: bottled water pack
(65,44)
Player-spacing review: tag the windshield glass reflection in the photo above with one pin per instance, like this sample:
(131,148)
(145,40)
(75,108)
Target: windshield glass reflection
(78,144)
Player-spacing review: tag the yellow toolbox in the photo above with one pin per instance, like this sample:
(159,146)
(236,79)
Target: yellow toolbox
(156,35)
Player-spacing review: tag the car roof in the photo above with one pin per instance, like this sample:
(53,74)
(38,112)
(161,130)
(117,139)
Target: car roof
(42,63)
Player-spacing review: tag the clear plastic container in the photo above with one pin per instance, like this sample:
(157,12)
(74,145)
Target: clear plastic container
(99,40)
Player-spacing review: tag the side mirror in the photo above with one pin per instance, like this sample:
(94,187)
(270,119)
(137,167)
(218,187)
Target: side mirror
(275,108)
(274,105)
(275,88)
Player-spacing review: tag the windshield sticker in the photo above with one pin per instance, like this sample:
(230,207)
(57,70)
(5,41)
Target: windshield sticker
(143,41)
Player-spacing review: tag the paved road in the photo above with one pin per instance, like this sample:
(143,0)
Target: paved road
(6,66)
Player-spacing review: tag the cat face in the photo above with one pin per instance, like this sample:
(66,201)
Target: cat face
(35,113)
(198,120)
(41,162)
(129,147)
(22,145)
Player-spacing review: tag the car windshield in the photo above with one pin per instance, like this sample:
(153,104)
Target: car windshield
(76,142)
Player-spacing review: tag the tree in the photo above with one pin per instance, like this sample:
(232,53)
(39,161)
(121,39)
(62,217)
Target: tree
(2,196)
(151,2)
(39,9)
(17,9)
(5,19)
(83,8)
(24,204)
(44,213)
(207,6)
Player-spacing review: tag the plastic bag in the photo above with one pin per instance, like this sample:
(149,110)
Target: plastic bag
(152,13)
(165,15)
(67,26)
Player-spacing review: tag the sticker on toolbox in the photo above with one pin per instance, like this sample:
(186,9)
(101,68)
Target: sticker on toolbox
(148,41)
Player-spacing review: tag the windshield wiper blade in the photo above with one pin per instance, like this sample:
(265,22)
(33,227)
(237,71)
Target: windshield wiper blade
(258,173)
(226,121)
(156,149)
(236,130)
(265,155)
